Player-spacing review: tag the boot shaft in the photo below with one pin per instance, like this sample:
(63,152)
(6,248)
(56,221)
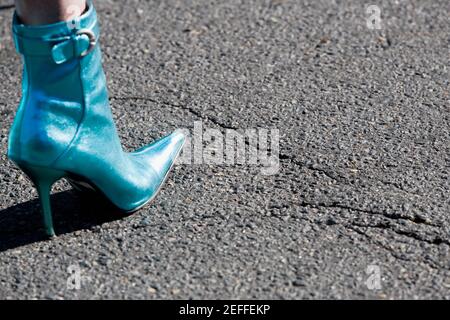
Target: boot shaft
(62,77)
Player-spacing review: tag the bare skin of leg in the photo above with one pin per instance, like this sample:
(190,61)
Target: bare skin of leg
(39,12)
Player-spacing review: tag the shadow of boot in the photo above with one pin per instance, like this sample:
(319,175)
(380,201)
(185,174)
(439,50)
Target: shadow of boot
(21,224)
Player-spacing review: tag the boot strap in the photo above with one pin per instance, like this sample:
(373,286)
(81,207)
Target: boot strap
(61,49)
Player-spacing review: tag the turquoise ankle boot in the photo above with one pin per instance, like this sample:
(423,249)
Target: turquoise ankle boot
(64,126)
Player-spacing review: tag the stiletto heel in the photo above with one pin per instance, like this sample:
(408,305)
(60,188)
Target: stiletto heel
(43,179)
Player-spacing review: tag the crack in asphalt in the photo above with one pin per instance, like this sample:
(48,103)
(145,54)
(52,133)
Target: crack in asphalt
(187,108)
(337,205)
(436,241)
(354,227)
(7,6)
(392,251)
(339,178)
(285,157)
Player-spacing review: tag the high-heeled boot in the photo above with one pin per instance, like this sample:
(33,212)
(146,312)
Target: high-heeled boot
(64,126)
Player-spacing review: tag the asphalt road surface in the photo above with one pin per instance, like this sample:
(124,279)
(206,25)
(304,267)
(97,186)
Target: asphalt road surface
(359,207)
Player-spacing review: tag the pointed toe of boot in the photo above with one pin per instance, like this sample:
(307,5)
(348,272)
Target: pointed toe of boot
(159,158)
(162,154)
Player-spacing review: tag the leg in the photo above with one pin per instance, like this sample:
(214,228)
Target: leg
(40,12)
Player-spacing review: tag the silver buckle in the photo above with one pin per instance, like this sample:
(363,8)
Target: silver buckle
(92,41)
